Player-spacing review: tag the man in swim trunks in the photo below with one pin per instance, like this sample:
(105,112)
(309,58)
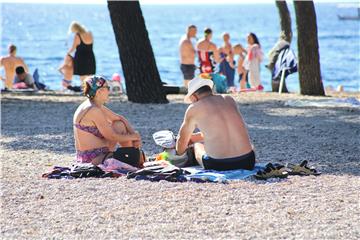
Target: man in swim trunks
(223,143)
(208,53)
(10,63)
(187,55)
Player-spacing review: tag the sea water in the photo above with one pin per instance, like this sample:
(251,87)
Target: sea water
(40,31)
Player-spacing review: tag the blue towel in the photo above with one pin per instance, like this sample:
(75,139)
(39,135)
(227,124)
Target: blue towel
(198,173)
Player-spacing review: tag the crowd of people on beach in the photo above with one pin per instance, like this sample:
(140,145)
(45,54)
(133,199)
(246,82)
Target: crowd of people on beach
(104,137)
(100,134)
(221,60)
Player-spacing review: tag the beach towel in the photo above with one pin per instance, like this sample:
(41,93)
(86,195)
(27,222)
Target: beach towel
(339,102)
(39,85)
(197,173)
(163,170)
(285,61)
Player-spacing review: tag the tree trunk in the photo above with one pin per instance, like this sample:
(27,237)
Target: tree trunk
(285,19)
(142,79)
(308,49)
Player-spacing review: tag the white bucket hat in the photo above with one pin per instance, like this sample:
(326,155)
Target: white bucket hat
(195,84)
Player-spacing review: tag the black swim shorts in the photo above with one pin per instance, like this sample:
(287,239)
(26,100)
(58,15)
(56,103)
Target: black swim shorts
(246,161)
(188,71)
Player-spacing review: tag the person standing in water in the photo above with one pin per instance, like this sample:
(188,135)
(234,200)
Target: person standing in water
(227,67)
(207,52)
(187,54)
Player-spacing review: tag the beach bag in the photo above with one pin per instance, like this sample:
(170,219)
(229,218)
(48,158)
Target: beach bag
(220,82)
(130,155)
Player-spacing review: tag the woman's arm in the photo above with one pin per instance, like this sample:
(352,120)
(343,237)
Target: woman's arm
(100,120)
(76,42)
(111,116)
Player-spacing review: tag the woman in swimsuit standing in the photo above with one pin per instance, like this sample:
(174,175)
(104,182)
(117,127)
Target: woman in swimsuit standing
(98,130)
(84,58)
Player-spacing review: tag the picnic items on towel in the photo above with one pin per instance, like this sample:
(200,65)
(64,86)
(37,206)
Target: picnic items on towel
(159,171)
(77,171)
(166,139)
(109,168)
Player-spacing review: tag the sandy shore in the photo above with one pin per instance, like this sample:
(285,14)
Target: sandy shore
(37,134)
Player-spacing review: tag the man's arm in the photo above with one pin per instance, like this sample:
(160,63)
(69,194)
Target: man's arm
(185,132)
(217,57)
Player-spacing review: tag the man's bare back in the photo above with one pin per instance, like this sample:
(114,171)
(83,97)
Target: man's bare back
(225,133)
(10,63)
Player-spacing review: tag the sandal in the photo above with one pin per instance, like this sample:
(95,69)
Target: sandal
(302,169)
(272,171)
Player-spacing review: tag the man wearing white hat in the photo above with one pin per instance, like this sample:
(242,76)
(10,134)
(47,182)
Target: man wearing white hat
(223,143)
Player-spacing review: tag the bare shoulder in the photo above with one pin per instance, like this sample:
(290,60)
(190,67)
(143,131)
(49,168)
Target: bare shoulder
(191,111)
(230,100)
(185,42)
(20,60)
(213,47)
(94,110)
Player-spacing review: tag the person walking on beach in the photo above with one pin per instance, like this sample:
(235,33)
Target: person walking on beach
(227,67)
(252,61)
(10,63)
(84,58)
(187,54)
(98,130)
(223,143)
(207,52)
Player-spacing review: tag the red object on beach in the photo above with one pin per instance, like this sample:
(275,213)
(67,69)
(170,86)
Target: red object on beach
(116,77)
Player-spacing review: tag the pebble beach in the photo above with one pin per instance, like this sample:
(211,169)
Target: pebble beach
(37,134)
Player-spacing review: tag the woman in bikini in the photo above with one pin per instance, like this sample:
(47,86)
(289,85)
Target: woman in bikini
(98,130)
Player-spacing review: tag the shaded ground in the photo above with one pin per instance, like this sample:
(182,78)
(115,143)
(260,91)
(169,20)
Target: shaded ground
(37,133)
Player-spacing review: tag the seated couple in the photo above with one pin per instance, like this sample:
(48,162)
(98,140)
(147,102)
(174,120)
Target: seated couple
(222,144)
